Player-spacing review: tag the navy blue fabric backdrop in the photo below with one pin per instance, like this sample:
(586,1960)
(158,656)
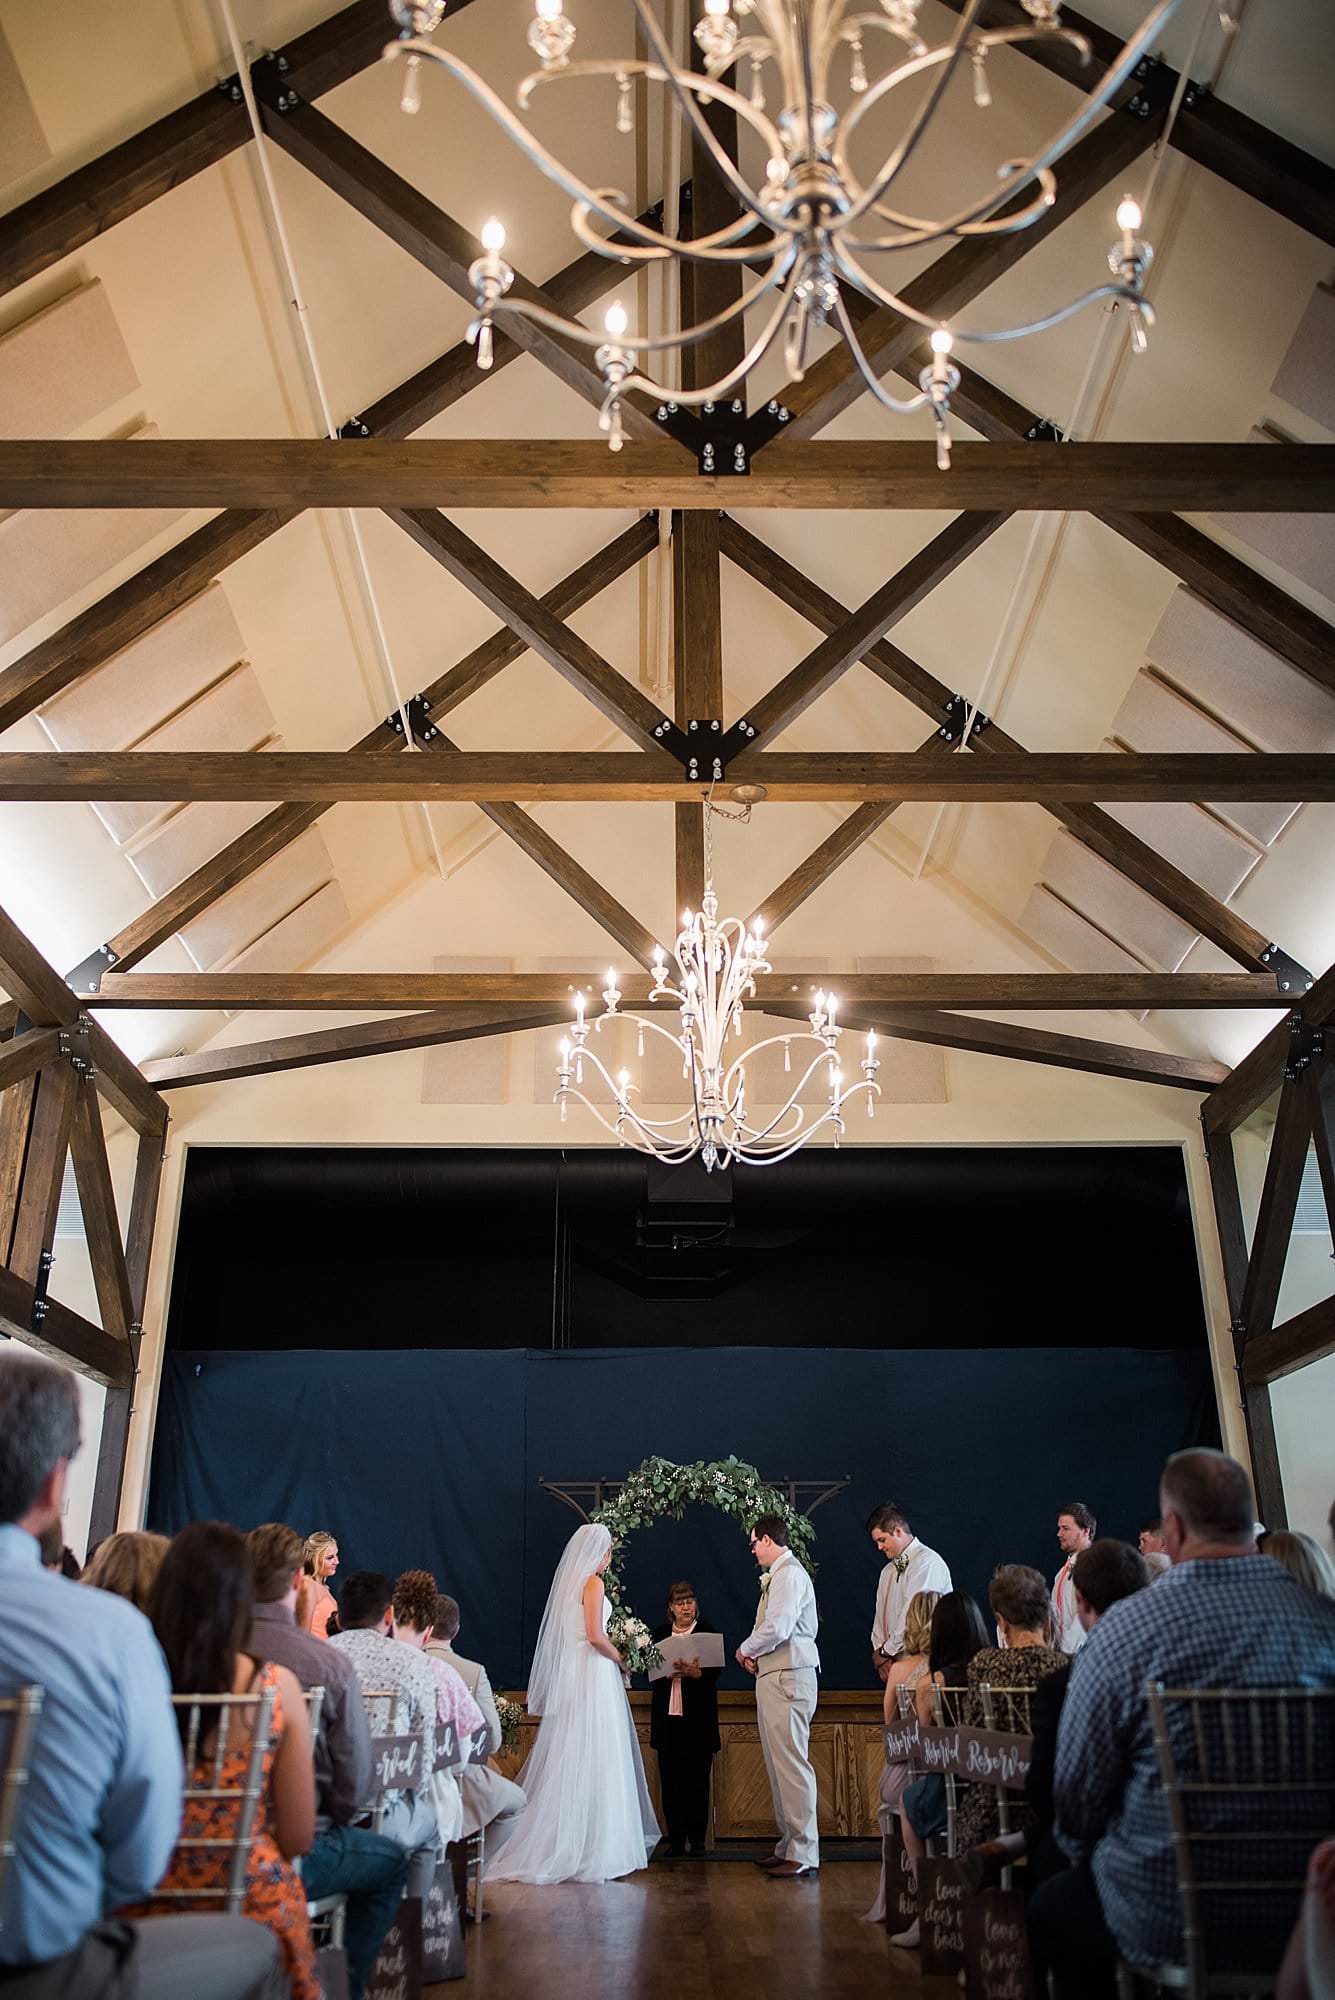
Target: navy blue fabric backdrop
(419,1458)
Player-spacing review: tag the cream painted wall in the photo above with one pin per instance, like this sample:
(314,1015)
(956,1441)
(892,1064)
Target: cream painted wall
(1304,1407)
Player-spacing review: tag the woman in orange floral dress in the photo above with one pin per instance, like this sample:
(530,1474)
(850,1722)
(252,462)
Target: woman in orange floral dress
(201,1612)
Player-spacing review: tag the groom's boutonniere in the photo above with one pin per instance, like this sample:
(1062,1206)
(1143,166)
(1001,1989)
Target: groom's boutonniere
(764,1585)
(901,1564)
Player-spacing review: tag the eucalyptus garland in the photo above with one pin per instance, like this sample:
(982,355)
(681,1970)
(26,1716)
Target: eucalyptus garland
(659,1488)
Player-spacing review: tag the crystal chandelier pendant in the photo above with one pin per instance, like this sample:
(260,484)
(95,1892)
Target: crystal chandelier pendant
(715,964)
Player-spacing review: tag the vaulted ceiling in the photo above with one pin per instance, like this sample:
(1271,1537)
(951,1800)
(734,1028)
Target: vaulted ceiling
(1069,631)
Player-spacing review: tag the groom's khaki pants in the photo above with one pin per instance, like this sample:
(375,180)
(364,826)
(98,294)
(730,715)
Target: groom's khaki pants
(785,1704)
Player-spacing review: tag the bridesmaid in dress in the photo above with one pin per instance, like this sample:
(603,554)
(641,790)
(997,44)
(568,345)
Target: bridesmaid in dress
(319,1559)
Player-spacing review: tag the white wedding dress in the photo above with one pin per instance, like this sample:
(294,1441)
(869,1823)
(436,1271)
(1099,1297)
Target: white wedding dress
(589,1816)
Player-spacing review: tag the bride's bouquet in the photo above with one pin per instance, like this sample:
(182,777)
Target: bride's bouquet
(631,1638)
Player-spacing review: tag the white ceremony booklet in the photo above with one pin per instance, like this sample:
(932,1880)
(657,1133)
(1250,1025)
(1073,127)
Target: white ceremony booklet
(706,1647)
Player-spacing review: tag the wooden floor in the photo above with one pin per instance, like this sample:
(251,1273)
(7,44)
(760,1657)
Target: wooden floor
(707,1930)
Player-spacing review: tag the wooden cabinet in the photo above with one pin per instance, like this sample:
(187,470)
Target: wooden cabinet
(847,1754)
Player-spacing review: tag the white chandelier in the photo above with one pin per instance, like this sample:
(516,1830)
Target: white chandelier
(717,964)
(813,221)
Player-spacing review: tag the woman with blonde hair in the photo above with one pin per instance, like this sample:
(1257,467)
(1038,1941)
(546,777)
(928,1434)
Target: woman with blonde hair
(127,1565)
(317,1604)
(1303,1558)
(906,1672)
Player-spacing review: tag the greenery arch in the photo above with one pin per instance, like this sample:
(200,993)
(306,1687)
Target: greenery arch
(659,1489)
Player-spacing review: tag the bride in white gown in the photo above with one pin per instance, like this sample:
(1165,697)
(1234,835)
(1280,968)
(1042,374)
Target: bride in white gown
(588,1817)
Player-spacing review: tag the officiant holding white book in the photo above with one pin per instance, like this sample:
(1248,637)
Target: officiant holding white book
(683,1718)
(781,1653)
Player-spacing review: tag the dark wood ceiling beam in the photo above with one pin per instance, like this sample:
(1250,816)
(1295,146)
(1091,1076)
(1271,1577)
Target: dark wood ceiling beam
(346,1044)
(113,1442)
(697,677)
(577,662)
(63,1336)
(1214,134)
(1264,611)
(27,978)
(813,872)
(174,148)
(43,1170)
(1250,1082)
(709,289)
(543,473)
(101,1224)
(953,280)
(25,1053)
(250,850)
(611,776)
(439,244)
(992,992)
(836,653)
(1275,1212)
(1307,1337)
(1037,1045)
(1097,829)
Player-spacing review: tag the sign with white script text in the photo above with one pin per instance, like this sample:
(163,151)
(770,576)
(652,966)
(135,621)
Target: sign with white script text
(983,1756)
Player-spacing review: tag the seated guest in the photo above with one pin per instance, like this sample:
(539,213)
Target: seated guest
(906,1672)
(1151,1538)
(380,1662)
(1019,1599)
(319,1559)
(200,1610)
(1160,1562)
(1302,1557)
(683,1728)
(957,1634)
(55,1555)
(1224,1617)
(102,1805)
(414,1608)
(343,1860)
(910,1566)
(486,1794)
(1076,1528)
(127,1565)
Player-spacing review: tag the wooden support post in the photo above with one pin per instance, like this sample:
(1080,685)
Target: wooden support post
(697,678)
(116,1414)
(1254,1396)
(43,1171)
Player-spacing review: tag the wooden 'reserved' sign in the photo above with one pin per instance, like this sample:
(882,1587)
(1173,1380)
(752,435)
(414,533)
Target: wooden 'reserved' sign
(983,1756)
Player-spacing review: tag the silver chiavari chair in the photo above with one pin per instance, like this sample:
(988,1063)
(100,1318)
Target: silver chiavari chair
(1007,1709)
(21,1711)
(1249,1779)
(947,1708)
(215,1725)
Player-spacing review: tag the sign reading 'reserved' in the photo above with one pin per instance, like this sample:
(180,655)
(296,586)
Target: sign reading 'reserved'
(984,1756)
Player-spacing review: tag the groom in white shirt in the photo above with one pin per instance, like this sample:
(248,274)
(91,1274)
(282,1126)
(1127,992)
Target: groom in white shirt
(781,1653)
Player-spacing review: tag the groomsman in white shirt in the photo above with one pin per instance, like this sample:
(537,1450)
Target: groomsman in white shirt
(910,1566)
(781,1653)
(1076,1528)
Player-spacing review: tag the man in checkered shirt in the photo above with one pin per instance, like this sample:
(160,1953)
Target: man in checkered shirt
(1222,1617)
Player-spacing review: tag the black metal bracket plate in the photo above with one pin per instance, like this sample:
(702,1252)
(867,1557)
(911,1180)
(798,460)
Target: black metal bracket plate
(957,719)
(39,1300)
(86,977)
(1305,1045)
(418,710)
(1292,979)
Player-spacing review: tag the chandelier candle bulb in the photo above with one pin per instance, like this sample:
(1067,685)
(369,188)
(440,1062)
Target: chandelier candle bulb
(1129,219)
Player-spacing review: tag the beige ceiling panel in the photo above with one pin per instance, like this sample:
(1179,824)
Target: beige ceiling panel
(1193,841)
(22,141)
(63,366)
(48,555)
(910,1072)
(298,937)
(468,1072)
(1302,544)
(231,715)
(139,688)
(1067,937)
(1306,376)
(256,905)
(1155,716)
(1115,905)
(1246,685)
(188,839)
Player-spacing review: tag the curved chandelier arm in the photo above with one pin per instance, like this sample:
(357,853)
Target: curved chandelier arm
(978,220)
(587,197)
(684,87)
(871,380)
(721,247)
(573,330)
(1064,137)
(1125,294)
(946,60)
(714,391)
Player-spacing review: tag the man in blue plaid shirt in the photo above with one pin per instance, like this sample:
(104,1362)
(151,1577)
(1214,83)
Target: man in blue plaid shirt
(1221,1617)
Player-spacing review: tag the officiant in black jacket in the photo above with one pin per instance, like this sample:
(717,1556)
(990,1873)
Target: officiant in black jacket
(683,1729)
